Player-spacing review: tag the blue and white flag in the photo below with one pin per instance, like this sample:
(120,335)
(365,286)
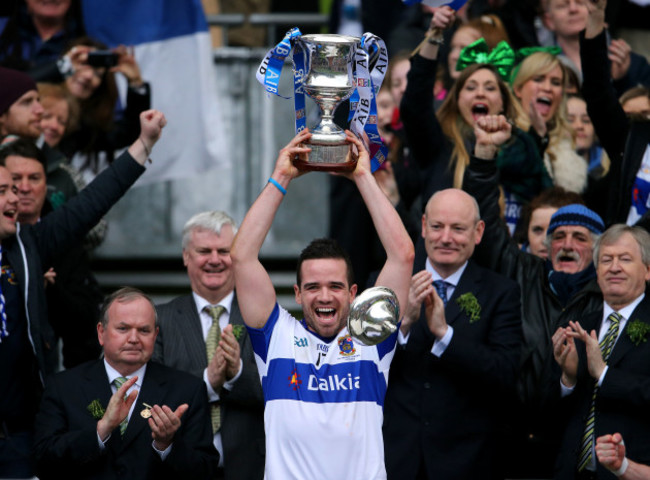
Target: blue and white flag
(174,50)
(455,4)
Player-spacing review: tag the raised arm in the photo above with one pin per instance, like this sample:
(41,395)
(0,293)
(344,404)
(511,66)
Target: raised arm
(417,112)
(497,250)
(604,109)
(70,223)
(255,291)
(396,272)
(151,124)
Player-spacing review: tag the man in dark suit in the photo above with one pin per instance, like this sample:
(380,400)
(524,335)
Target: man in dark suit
(98,420)
(458,357)
(231,376)
(605,382)
(71,288)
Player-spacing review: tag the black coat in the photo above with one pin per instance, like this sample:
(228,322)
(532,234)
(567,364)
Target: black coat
(442,414)
(66,441)
(33,248)
(534,430)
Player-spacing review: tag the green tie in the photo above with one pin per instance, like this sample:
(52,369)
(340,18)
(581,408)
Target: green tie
(211,343)
(606,347)
(118,382)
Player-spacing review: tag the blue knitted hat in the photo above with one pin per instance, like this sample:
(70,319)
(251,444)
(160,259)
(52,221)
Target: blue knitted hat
(576,214)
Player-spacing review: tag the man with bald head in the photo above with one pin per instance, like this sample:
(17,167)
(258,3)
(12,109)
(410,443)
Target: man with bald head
(460,338)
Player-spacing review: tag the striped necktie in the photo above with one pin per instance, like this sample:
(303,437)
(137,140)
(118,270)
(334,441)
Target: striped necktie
(211,343)
(118,382)
(585,457)
(441,290)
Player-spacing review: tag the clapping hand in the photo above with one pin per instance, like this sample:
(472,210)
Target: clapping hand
(435,311)
(118,409)
(595,362)
(565,354)
(164,422)
(419,289)
(230,351)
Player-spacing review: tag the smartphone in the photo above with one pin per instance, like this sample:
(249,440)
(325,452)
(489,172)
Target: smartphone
(102,58)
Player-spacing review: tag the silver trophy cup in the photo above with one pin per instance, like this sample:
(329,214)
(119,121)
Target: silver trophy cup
(374,315)
(329,81)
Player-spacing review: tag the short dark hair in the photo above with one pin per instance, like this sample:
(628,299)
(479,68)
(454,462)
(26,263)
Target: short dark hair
(634,92)
(124,295)
(325,248)
(22,147)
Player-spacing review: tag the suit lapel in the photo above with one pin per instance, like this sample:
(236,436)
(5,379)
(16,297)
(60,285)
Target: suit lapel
(97,386)
(592,321)
(236,319)
(151,393)
(190,330)
(469,282)
(624,343)
(588,322)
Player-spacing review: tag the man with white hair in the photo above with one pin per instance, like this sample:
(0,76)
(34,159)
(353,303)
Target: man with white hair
(229,370)
(603,356)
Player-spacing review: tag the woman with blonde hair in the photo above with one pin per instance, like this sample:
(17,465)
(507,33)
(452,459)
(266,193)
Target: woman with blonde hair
(539,83)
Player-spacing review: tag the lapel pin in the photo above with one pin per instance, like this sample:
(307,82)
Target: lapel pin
(146,412)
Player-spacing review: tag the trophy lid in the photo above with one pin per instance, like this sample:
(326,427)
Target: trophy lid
(329,39)
(374,315)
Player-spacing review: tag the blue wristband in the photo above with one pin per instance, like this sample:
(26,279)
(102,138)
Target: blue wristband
(278,186)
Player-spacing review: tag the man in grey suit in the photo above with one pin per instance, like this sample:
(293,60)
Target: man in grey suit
(231,376)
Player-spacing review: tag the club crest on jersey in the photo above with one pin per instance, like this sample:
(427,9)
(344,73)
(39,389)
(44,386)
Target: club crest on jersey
(294,380)
(10,274)
(346,346)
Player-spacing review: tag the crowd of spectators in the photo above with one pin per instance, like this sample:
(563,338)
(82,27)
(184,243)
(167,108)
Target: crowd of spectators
(576,140)
(538,109)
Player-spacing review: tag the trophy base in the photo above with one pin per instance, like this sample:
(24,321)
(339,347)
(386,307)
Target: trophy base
(327,158)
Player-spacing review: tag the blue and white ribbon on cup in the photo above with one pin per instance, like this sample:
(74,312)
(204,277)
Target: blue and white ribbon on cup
(363,104)
(363,107)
